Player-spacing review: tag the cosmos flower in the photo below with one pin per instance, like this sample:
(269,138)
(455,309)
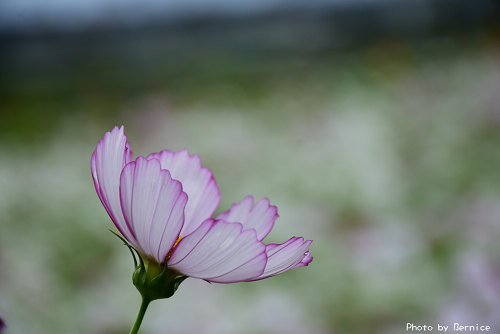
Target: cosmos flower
(163,204)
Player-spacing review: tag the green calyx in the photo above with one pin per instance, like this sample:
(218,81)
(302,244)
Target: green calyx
(152,279)
(156,281)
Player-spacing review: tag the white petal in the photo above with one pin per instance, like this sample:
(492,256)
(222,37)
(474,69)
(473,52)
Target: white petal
(288,255)
(197,182)
(153,204)
(220,252)
(110,156)
(260,216)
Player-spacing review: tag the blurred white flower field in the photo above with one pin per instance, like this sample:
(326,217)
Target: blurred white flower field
(391,168)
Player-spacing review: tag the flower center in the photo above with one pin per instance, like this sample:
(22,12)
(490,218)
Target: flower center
(173,247)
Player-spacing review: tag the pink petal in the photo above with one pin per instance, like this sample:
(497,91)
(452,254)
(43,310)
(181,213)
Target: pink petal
(291,254)
(197,182)
(109,158)
(220,252)
(305,261)
(260,216)
(153,204)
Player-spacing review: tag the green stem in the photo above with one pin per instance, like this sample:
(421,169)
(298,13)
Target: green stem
(140,316)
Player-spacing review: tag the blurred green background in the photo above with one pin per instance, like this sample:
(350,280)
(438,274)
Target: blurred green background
(374,129)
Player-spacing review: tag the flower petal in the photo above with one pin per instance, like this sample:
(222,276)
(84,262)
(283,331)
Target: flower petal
(220,252)
(197,182)
(153,204)
(293,253)
(260,216)
(305,261)
(110,156)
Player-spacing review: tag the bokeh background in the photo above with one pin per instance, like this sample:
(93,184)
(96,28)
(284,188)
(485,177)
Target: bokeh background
(374,126)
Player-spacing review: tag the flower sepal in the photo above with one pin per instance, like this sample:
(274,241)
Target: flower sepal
(152,279)
(156,281)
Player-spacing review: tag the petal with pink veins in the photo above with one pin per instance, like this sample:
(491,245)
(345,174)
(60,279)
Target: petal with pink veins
(291,254)
(197,182)
(260,216)
(305,261)
(110,156)
(221,252)
(153,205)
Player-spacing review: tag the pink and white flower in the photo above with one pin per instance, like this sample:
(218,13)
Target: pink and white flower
(163,204)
